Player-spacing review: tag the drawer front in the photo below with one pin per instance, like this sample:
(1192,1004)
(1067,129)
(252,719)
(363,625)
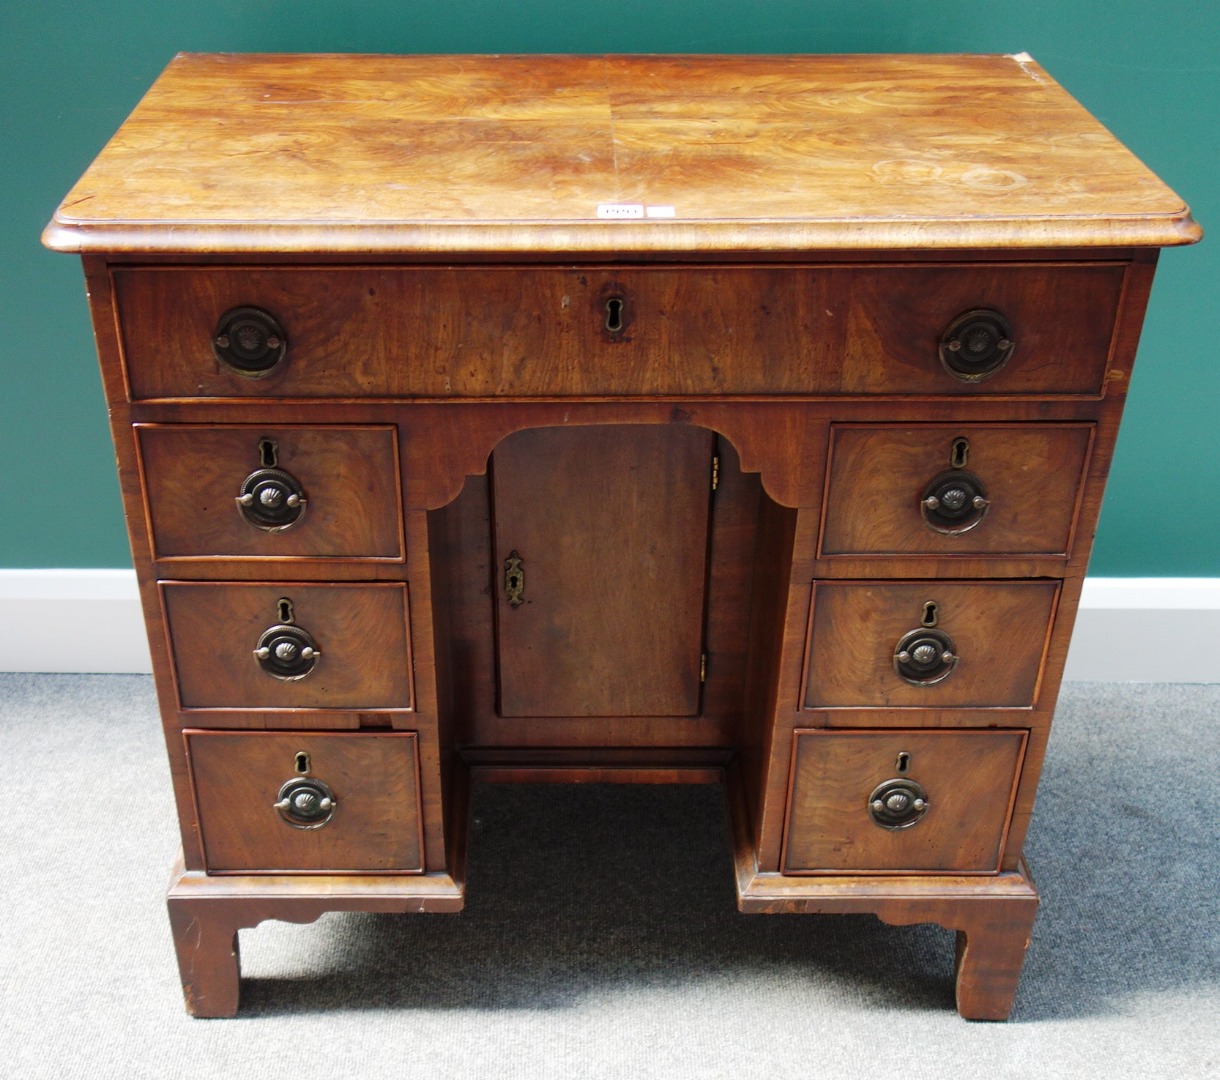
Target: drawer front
(370,780)
(485,332)
(985,650)
(345,481)
(915,489)
(935,801)
(360,633)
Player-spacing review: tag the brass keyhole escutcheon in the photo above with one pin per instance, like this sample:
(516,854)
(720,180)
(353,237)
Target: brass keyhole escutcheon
(959,454)
(614,314)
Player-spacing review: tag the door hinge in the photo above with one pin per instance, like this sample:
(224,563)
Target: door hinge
(703,667)
(715,471)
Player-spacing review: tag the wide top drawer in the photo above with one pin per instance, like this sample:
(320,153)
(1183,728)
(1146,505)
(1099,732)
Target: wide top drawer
(390,331)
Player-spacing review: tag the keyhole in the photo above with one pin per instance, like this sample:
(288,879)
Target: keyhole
(960,453)
(930,612)
(614,314)
(302,763)
(268,453)
(904,762)
(286,613)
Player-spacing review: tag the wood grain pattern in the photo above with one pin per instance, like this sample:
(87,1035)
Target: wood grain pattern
(298,153)
(349,476)
(611,525)
(992,913)
(463,551)
(426,229)
(998,629)
(878,474)
(206,912)
(482,332)
(969,778)
(375,780)
(360,630)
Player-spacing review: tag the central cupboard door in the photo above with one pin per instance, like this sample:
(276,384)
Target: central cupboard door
(601,552)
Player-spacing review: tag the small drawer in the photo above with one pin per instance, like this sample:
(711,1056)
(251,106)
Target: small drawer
(594,331)
(310,802)
(927,644)
(934,801)
(969,489)
(272,491)
(357,637)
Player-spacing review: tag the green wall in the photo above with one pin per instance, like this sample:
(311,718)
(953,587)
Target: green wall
(72,71)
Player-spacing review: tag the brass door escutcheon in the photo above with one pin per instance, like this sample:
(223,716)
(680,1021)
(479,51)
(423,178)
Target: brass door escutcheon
(514,579)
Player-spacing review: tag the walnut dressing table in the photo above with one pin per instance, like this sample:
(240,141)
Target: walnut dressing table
(739,420)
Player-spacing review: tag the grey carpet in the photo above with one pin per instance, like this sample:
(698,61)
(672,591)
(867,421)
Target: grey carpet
(600,937)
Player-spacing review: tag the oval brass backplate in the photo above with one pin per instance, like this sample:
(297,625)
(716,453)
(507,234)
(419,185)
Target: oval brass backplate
(249,341)
(897,803)
(976,345)
(305,802)
(924,657)
(271,500)
(954,502)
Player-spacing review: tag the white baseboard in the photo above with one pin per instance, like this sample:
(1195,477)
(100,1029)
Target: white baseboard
(1128,629)
(71,620)
(1147,630)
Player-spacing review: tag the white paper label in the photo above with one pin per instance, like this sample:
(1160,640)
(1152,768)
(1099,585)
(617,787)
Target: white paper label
(619,211)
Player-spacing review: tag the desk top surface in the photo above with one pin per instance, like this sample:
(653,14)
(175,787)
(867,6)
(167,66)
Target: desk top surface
(611,154)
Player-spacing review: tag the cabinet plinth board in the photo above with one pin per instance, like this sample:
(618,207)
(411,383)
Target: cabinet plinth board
(704,419)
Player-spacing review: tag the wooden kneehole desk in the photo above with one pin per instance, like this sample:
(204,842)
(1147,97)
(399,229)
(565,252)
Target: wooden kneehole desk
(658,419)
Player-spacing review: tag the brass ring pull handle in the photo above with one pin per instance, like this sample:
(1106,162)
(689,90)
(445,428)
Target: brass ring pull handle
(271,500)
(898,803)
(976,345)
(249,341)
(924,657)
(954,502)
(306,803)
(287,652)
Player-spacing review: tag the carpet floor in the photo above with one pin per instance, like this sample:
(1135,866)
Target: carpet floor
(600,937)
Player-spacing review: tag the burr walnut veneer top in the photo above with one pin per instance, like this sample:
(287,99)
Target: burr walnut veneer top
(416,154)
